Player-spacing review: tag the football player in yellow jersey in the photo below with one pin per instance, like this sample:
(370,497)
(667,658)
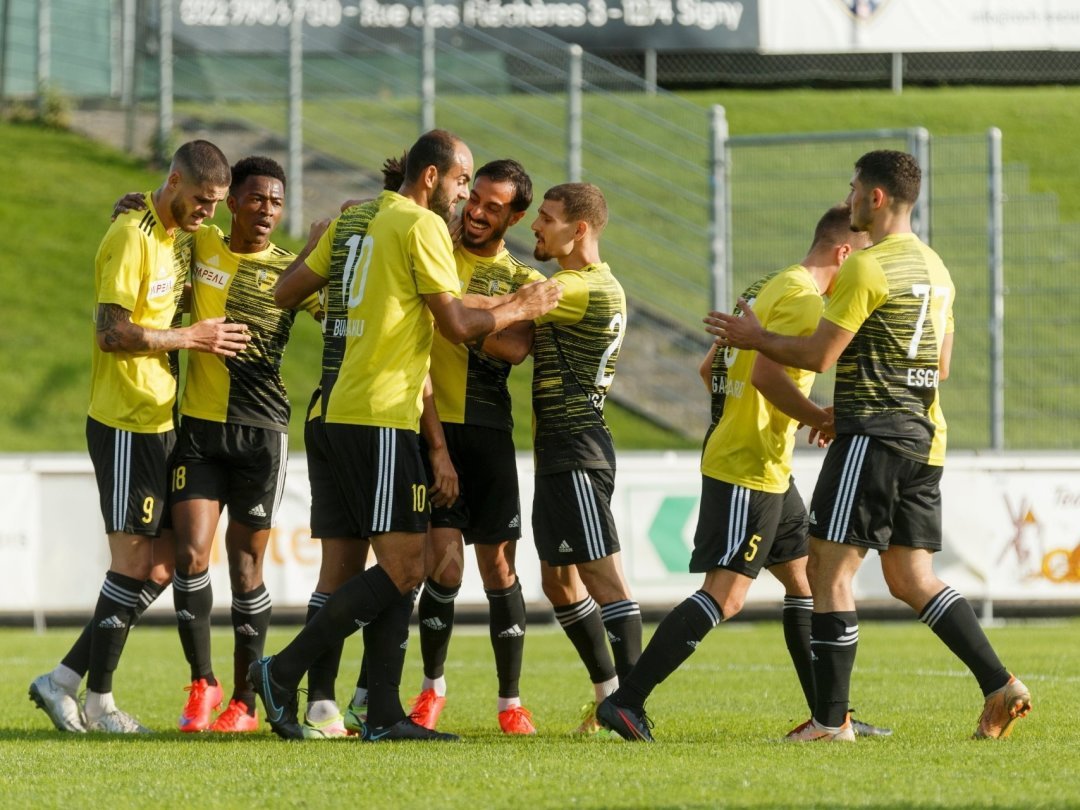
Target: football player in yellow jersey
(751,515)
(473,404)
(130,430)
(889,329)
(403,281)
(575,349)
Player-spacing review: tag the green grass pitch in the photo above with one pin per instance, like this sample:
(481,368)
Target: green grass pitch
(718,725)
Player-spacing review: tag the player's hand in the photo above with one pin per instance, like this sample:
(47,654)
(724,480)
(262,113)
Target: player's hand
(823,434)
(538,298)
(215,336)
(456,226)
(317,229)
(445,488)
(742,331)
(132,201)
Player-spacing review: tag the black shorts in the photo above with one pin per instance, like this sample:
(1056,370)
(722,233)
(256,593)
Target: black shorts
(329,513)
(381,477)
(240,466)
(744,530)
(488,510)
(132,472)
(571,516)
(870,496)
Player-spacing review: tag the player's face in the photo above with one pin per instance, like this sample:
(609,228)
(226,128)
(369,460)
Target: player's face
(194,202)
(859,200)
(257,207)
(554,235)
(487,213)
(453,187)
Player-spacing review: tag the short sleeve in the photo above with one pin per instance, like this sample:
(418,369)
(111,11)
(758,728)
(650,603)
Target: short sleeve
(122,268)
(432,255)
(318,261)
(574,301)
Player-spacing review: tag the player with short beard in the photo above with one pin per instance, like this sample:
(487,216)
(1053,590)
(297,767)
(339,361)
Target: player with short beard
(473,404)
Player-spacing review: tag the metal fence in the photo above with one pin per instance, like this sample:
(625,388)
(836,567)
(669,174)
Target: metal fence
(336,115)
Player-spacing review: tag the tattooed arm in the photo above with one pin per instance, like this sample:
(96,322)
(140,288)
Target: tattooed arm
(116,333)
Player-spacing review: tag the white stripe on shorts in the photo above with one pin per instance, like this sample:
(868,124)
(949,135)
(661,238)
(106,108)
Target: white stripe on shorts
(121,479)
(279,488)
(384,491)
(845,495)
(590,515)
(738,518)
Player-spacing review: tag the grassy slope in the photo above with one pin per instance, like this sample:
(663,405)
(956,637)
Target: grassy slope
(718,720)
(60,190)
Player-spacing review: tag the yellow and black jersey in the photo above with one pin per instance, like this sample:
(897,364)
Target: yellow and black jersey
(405,255)
(750,442)
(470,386)
(897,297)
(575,349)
(336,254)
(136,268)
(246,389)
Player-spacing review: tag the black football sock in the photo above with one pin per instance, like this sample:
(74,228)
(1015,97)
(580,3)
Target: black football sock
(193,599)
(352,606)
(622,622)
(78,657)
(506,626)
(250,621)
(796,620)
(951,617)
(113,615)
(385,642)
(582,624)
(435,612)
(323,672)
(834,639)
(674,641)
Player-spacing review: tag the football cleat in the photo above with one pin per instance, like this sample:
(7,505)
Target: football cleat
(117,722)
(202,700)
(279,702)
(426,708)
(356,717)
(61,705)
(1002,709)
(629,723)
(589,724)
(863,729)
(406,729)
(516,720)
(324,729)
(235,719)
(810,731)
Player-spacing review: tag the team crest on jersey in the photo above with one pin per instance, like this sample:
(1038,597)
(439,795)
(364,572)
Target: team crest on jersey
(863,10)
(266,279)
(495,287)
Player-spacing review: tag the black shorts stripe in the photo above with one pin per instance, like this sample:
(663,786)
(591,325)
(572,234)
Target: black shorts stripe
(849,484)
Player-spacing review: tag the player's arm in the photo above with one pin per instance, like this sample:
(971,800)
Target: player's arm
(513,344)
(116,333)
(444,488)
(945,360)
(776,385)
(459,323)
(132,201)
(705,369)
(816,352)
(299,282)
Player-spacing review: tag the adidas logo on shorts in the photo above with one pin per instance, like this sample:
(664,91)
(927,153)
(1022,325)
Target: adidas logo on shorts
(564,547)
(257,511)
(514,631)
(813,518)
(515,522)
(112,623)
